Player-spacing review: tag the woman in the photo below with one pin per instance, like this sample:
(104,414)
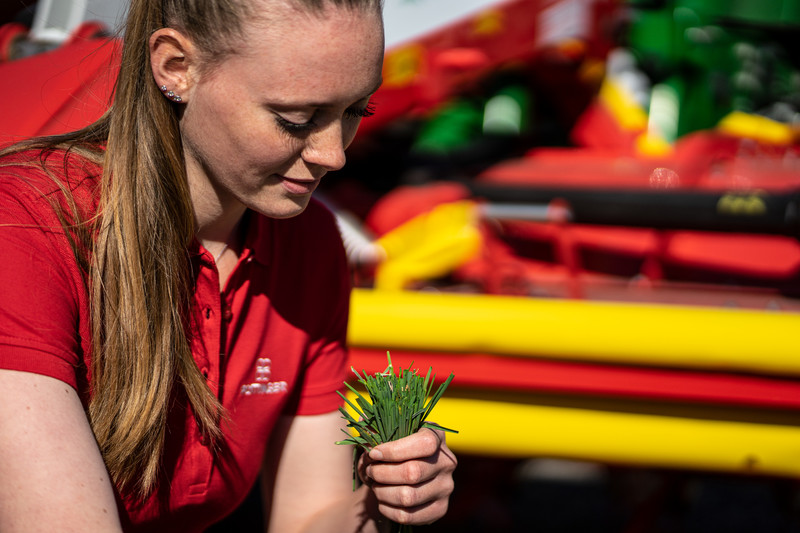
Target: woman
(174,303)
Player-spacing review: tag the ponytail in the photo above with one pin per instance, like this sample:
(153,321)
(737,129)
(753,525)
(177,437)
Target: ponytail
(140,274)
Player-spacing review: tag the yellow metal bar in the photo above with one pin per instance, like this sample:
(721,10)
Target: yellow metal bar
(519,430)
(693,337)
(429,245)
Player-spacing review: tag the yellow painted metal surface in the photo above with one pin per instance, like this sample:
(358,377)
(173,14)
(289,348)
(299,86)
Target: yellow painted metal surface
(623,106)
(518,429)
(760,128)
(402,66)
(691,337)
(429,245)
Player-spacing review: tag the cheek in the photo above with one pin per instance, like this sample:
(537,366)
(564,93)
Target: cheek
(266,146)
(235,138)
(237,135)
(207,130)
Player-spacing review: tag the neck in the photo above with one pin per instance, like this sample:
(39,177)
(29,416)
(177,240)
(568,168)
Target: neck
(217,214)
(221,240)
(216,232)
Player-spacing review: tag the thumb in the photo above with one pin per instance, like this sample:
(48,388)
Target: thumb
(420,445)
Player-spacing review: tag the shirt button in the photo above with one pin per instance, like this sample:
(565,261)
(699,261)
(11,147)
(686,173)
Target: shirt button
(205,373)
(227,314)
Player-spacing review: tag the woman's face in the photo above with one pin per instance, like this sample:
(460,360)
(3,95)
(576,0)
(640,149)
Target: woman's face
(263,127)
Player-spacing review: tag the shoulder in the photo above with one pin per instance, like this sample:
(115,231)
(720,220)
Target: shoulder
(37,181)
(47,201)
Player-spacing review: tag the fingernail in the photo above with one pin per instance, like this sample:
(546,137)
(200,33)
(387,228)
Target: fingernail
(375,454)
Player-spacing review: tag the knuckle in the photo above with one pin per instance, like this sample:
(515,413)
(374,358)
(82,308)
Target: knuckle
(454,461)
(394,514)
(402,517)
(452,466)
(412,472)
(448,460)
(432,441)
(407,497)
(449,486)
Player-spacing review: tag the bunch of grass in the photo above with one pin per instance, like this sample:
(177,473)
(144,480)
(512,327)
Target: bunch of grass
(397,405)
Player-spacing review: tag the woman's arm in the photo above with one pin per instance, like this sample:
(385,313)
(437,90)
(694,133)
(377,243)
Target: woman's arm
(307,481)
(52,477)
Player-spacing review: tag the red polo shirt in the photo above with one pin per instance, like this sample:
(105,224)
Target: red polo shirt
(271,342)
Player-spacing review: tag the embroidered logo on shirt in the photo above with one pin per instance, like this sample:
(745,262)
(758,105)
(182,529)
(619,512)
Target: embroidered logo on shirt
(262,384)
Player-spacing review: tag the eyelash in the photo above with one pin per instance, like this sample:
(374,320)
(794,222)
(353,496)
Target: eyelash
(292,127)
(305,127)
(367,112)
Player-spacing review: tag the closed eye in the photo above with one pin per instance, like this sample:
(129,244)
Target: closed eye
(304,128)
(295,127)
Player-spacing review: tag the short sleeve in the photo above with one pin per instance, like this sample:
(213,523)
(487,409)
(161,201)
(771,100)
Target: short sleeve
(38,300)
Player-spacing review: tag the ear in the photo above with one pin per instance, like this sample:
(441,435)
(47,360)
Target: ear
(172,58)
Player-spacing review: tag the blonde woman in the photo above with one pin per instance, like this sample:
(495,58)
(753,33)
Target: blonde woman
(174,304)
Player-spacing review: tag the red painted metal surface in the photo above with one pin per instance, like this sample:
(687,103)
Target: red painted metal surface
(530,375)
(57,91)
(69,87)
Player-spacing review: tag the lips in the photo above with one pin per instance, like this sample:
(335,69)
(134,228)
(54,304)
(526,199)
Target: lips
(295,186)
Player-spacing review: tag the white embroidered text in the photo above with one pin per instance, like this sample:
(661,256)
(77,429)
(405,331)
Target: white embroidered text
(262,384)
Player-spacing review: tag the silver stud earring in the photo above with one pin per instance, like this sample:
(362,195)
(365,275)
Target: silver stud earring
(169,94)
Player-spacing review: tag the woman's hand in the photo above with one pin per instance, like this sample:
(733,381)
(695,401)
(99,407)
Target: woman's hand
(411,478)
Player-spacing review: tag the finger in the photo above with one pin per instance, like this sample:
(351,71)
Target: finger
(405,473)
(413,496)
(438,433)
(420,444)
(424,514)
(413,471)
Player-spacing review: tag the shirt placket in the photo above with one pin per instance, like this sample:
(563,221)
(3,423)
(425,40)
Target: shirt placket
(206,351)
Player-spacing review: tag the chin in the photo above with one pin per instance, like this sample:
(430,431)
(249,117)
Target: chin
(285,208)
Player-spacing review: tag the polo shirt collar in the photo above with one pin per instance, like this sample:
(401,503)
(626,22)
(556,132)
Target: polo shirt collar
(257,241)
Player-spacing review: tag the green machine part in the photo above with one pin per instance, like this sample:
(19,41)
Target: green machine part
(707,58)
(770,13)
(453,126)
(457,124)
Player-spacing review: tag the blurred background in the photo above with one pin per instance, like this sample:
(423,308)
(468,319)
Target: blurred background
(587,210)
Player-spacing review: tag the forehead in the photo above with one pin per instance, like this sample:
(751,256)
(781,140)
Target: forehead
(287,47)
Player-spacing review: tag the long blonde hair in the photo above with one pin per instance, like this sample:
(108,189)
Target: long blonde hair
(138,272)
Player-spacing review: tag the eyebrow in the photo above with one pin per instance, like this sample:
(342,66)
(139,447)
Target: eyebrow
(323,105)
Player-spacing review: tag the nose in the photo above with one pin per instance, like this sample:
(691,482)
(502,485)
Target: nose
(325,147)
